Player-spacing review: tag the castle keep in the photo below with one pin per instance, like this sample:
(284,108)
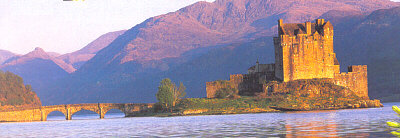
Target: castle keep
(302,51)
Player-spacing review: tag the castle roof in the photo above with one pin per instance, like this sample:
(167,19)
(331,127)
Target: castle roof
(336,62)
(293,29)
(262,68)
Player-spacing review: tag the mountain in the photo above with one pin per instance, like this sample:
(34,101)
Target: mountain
(37,68)
(5,55)
(163,43)
(14,94)
(78,58)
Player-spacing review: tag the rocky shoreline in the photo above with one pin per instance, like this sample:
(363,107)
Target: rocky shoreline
(358,104)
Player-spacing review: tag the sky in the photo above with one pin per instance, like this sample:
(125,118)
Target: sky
(67,26)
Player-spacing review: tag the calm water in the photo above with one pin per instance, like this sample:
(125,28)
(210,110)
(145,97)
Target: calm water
(339,123)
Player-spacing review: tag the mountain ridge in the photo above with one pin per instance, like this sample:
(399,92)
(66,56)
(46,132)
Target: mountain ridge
(79,57)
(38,53)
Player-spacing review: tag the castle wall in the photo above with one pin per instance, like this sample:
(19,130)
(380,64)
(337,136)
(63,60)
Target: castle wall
(278,58)
(212,87)
(251,84)
(236,80)
(247,84)
(305,56)
(356,79)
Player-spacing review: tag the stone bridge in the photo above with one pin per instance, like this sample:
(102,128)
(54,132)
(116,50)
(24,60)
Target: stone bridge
(40,114)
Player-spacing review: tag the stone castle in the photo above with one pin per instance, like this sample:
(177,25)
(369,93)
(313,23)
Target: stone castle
(302,51)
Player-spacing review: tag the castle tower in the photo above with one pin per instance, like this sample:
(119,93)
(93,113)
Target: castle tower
(304,51)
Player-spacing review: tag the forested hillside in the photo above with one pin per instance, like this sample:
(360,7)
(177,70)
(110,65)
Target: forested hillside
(14,94)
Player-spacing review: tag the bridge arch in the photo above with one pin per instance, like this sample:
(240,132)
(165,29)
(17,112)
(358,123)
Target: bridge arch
(108,109)
(84,115)
(46,113)
(65,115)
(105,111)
(77,109)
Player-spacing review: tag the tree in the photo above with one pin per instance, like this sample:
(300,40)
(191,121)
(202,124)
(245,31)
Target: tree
(169,93)
(28,87)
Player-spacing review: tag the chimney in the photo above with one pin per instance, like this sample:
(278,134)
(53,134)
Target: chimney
(257,66)
(308,28)
(320,22)
(280,22)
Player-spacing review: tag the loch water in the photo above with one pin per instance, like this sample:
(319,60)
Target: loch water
(369,122)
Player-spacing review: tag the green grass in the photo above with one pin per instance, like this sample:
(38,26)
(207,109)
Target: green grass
(223,104)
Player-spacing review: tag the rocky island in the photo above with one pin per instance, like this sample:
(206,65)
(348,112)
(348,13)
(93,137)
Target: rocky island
(305,76)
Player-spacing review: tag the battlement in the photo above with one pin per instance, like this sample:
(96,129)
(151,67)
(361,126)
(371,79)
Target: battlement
(357,68)
(320,27)
(356,79)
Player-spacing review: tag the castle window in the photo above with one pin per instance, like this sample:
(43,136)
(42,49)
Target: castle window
(323,60)
(322,70)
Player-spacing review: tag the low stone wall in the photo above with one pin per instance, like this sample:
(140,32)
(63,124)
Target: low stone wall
(21,116)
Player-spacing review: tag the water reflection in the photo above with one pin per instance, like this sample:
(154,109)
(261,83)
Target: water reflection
(339,123)
(323,124)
